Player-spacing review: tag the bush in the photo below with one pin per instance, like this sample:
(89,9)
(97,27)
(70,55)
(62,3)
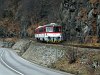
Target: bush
(72,55)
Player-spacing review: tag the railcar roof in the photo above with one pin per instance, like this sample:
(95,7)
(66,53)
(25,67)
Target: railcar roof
(39,27)
(51,24)
(54,24)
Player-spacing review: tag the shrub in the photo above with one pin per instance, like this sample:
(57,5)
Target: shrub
(72,54)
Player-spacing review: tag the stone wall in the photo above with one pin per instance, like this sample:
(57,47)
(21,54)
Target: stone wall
(43,54)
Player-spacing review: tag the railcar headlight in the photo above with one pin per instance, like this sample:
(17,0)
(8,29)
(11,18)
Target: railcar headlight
(49,38)
(58,38)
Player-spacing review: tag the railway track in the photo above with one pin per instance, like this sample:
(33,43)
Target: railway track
(84,46)
(92,46)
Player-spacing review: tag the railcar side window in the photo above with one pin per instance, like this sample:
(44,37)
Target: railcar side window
(36,31)
(49,29)
(41,30)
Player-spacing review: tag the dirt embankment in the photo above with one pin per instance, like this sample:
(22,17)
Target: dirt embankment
(80,61)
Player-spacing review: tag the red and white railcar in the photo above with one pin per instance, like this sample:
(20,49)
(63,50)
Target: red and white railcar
(50,33)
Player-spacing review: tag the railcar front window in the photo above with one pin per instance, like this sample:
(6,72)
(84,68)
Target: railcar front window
(49,29)
(57,29)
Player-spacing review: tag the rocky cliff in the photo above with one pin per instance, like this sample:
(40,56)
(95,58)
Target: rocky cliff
(81,19)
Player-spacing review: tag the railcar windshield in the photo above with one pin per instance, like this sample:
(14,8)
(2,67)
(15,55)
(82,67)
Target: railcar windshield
(49,29)
(57,29)
(53,29)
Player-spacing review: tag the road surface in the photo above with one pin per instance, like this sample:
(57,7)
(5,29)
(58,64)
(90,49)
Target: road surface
(12,64)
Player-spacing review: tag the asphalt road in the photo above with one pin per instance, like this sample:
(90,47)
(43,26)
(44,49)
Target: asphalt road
(12,64)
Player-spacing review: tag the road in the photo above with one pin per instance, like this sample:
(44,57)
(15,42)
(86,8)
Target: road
(12,64)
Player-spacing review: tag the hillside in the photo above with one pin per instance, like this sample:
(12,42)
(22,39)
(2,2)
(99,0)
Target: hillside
(80,18)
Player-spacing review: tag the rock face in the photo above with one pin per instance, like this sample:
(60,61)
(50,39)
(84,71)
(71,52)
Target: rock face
(80,18)
(43,55)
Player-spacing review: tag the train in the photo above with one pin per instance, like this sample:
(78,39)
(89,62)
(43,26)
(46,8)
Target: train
(49,33)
